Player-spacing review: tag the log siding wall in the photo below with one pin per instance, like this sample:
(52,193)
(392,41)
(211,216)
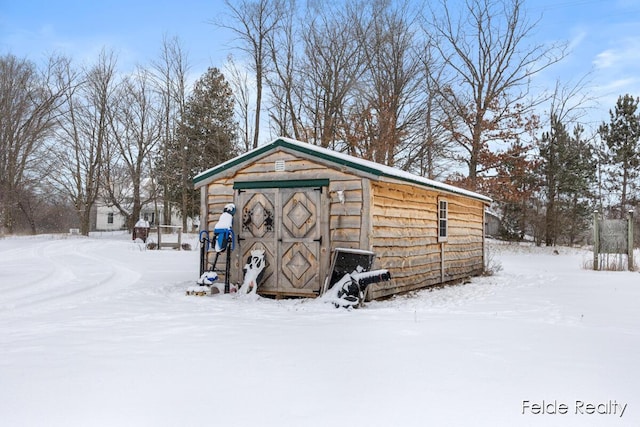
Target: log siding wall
(405,237)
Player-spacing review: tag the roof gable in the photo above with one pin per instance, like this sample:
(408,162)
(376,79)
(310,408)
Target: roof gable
(337,158)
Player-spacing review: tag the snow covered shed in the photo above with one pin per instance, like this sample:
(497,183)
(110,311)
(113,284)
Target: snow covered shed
(299,203)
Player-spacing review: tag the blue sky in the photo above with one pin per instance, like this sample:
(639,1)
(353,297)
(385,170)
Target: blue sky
(134,29)
(604,35)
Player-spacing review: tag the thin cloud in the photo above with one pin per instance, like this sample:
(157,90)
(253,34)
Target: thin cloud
(625,55)
(577,38)
(616,85)
(606,59)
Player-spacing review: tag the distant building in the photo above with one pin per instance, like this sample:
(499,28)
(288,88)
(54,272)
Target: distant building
(107,217)
(492,224)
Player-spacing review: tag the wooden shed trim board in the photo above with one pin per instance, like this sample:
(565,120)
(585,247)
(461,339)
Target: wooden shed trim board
(342,159)
(289,183)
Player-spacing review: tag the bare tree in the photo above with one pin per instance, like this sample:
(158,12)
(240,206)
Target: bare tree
(171,71)
(489,64)
(285,110)
(253,22)
(430,155)
(332,65)
(77,154)
(393,77)
(135,124)
(239,82)
(29,101)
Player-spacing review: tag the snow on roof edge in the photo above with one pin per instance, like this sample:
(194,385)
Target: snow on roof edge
(387,171)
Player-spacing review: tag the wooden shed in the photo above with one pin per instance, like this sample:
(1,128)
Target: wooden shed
(300,202)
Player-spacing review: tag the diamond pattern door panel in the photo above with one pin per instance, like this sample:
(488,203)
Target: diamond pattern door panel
(258,231)
(299,215)
(300,266)
(286,223)
(300,240)
(257,215)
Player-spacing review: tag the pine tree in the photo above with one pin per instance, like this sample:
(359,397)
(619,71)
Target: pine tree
(569,171)
(622,136)
(577,179)
(550,146)
(205,138)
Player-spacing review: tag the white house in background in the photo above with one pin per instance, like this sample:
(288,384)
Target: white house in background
(109,218)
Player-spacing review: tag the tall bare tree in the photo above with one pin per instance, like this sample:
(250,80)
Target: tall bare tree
(489,63)
(430,156)
(135,124)
(393,77)
(239,82)
(77,155)
(330,69)
(252,21)
(29,101)
(283,49)
(170,77)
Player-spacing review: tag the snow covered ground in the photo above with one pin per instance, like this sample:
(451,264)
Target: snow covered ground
(97,332)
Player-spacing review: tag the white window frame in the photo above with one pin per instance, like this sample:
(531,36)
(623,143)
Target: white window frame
(110,217)
(443,219)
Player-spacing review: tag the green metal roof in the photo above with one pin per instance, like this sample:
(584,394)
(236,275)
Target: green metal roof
(337,158)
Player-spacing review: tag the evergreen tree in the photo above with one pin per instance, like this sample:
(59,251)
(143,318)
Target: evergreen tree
(205,138)
(577,179)
(622,137)
(550,148)
(569,172)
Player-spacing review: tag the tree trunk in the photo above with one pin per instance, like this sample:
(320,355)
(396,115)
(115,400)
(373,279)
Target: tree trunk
(28,214)
(256,130)
(85,221)
(550,223)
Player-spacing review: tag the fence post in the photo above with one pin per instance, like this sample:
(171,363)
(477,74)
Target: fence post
(596,240)
(630,240)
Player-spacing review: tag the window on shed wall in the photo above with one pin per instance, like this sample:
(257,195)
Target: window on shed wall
(443,219)
(110,218)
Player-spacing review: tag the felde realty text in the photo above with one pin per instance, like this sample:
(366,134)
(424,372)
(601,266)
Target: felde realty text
(578,407)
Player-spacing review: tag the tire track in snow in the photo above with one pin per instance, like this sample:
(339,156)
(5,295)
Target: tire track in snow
(30,275)
(63,271)
(24,259)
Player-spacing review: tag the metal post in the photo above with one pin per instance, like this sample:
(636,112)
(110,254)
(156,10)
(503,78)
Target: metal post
(596,240)
(630,240)
(442,254)
(227,265)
